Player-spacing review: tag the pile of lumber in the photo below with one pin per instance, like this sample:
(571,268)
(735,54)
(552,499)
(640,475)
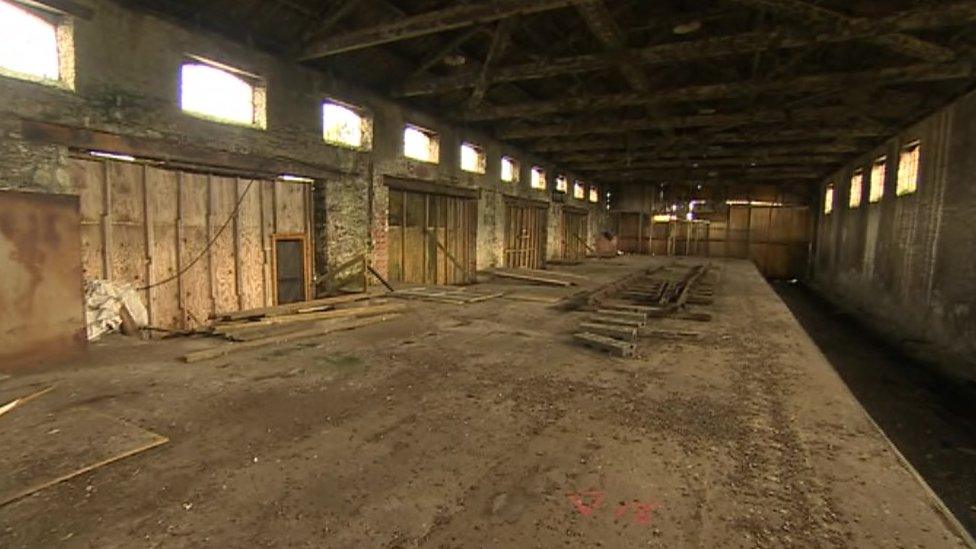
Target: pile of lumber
(615,324)
(446,294)
(536,276)
(258,328)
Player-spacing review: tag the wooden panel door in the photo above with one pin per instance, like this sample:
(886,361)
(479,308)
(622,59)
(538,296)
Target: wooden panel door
(525,236)
(431,237)
(575,235)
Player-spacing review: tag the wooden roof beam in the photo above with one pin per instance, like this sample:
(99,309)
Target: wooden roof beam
(711,153)
(748,88)
(692,50)
(742,162)
(600,22)
(432,22)
(696,121)
(598,149)
(810,15)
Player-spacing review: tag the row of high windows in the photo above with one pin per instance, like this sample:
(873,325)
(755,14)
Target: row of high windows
(34,46)
(906,182)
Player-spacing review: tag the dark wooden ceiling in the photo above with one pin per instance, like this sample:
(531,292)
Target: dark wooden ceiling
(638,90)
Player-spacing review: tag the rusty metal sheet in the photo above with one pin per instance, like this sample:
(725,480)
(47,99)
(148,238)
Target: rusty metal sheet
(42,297)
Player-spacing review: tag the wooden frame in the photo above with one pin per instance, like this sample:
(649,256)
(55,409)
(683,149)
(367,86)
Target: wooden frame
(306,263)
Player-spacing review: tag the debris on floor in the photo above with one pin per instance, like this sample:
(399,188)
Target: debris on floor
(549,278)
(110,306)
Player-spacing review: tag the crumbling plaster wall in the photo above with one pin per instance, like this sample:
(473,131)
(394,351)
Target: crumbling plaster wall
(127,66)
(906,265)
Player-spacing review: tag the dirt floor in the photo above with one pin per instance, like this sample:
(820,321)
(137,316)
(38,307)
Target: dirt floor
(931,418)
(485,425)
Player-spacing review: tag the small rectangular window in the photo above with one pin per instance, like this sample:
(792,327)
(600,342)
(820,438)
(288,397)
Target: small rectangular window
(878,172)
(36,45)
(344,125)
(562,184)
(510,170)
(420,144)
(594,195)
(538,180)
(472,158)
(908,169)
(579,190)
(857,184)
(829,199)
(223,94)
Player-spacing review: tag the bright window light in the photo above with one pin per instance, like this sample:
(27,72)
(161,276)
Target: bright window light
(472,158)
(342,125)
(878,172)
(908,169)
(28,44)
(594,195)
(562,184)
(420,145)
(510,170)
(857,184)
(538,180)
(210,92)
(579,190)
(829,199)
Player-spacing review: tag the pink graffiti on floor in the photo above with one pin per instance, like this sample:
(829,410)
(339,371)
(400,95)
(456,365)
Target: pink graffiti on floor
(588,502)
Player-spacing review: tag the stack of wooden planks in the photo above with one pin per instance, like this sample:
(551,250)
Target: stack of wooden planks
(621,310)
(258,328)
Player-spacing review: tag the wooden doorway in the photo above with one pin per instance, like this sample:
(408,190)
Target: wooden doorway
(575,233)
(291,268)
(432,238)
(525,234)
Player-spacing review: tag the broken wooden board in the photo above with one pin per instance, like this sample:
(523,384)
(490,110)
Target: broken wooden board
(615,321)
(316,330)
(697,317)
(456,296)
(530,277)
(607,344)
(623,315)
(627,308)
(623,333)
(41,449)
(24,400)
(671,334)
(290,308)
(551,273)
(534,298)
(352,312)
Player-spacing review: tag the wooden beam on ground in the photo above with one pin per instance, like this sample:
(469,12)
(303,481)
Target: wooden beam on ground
(515,274)
(325,328)
(609,330)
(608,344)
(749,88)
(432,22)
(291,308)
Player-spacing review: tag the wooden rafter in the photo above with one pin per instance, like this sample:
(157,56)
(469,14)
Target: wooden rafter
(801,84)
(743,162)
(811,15)
(601,24)
(433,22)
(499,43)
(712,152)
(593,149)
(771,116)
(707,48)
(448,48)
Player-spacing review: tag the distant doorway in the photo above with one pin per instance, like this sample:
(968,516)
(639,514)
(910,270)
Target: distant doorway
(290,267)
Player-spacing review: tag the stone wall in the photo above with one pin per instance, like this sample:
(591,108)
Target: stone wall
(127,65)
(905,265)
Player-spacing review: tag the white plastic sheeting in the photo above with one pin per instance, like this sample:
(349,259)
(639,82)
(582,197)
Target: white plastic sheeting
(103,304)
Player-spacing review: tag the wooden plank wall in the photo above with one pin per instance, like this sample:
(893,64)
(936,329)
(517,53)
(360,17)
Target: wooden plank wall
(574,237)
(525,235)
(431,238)
(143,224)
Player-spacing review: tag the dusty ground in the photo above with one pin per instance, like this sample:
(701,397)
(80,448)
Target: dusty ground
(486,426)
